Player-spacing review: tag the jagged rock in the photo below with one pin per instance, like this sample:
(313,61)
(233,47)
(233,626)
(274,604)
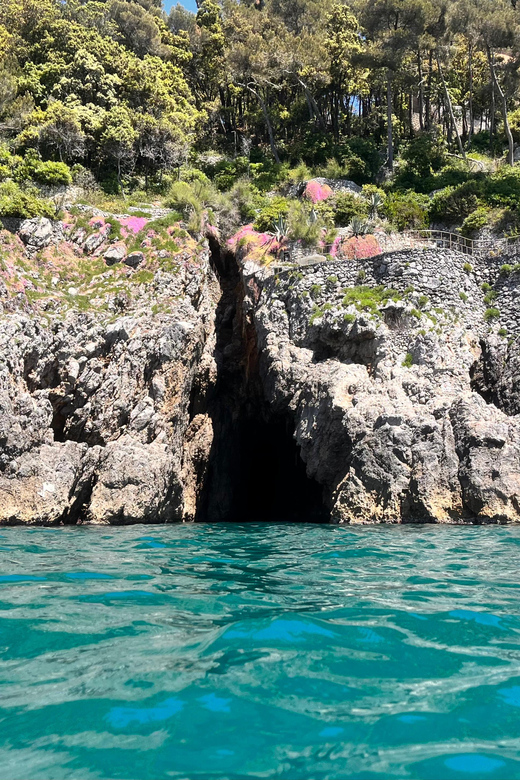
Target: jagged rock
(134,259)
(95,240)
(383,398)
(79,236)
(95,414)
(115,254)
(36,233)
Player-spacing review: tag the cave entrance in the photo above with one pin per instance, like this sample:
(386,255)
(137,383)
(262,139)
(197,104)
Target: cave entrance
(256,474)
(255,471)
(274,485)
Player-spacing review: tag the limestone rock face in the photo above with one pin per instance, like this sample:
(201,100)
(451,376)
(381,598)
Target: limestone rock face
(404,405)
(95,417)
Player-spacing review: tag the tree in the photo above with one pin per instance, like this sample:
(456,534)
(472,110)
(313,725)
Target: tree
(117,141)
(61,132)
(344,46)
(394,29)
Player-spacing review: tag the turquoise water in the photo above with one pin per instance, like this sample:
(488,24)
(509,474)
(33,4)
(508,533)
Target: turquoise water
(235,651)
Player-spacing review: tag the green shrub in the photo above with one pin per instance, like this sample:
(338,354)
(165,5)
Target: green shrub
(347,206)
(182,198)
(423,300)
(350,318)
(407,210)
(503,187)
(24,203)
(361,158)
(271,213)
(491,314)
(304,224)
(408,361)
(485,287)
(475,221)
(463,296)
(424,154)
(502,332)
(467,268)
(506,269)
(454,204)
(367,298)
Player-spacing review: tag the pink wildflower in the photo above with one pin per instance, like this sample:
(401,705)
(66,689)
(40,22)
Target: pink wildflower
(134,224)
(316,192)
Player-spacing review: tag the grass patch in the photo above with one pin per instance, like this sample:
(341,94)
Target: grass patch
(370,299)
(142,277)
(491,314)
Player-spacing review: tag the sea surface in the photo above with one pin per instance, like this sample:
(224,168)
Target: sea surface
(262,651)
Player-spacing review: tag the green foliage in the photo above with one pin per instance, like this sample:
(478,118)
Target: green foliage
(491,314)
(463,296)
(24,203)
(270,214)
(506,269)
(347,206)
(454,204)
(475,221)
(304,224)
(467,268)
(370,299)
(408,361)
(407,210)
(424,154)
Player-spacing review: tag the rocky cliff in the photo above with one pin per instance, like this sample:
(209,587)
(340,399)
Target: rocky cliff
(404,401)
(145,378)
(101,365)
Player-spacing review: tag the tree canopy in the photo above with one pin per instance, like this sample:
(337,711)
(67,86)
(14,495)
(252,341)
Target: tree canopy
(123,89)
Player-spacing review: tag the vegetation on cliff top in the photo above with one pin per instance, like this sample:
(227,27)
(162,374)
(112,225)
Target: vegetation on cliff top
(217,110)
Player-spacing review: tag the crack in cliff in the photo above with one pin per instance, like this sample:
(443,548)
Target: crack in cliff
(255,471)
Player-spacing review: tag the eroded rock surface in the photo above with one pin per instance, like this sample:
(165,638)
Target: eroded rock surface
(376,362)
(95,418)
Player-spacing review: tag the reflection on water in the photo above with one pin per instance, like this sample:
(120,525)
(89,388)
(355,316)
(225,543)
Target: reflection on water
(233,651)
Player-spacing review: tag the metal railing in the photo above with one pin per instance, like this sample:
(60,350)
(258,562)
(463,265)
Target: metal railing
(435,239)
(442,239)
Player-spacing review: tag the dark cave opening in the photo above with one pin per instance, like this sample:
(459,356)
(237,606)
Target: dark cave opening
(273,484)
(255,471)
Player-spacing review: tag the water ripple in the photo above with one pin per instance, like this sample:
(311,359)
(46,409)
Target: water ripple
(273,651)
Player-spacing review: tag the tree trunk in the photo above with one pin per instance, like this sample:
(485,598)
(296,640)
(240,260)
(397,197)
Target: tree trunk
(421,91)
(450,108)
(429,92)
(471,129)
(509,135)
(390,141)
(312,104)
(267,119)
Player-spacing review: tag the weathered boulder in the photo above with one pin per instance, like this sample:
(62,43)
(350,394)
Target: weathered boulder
(36,233)
(134,259)
(115,254)
(95,240)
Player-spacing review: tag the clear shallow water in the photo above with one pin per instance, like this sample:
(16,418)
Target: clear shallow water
(238,651)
